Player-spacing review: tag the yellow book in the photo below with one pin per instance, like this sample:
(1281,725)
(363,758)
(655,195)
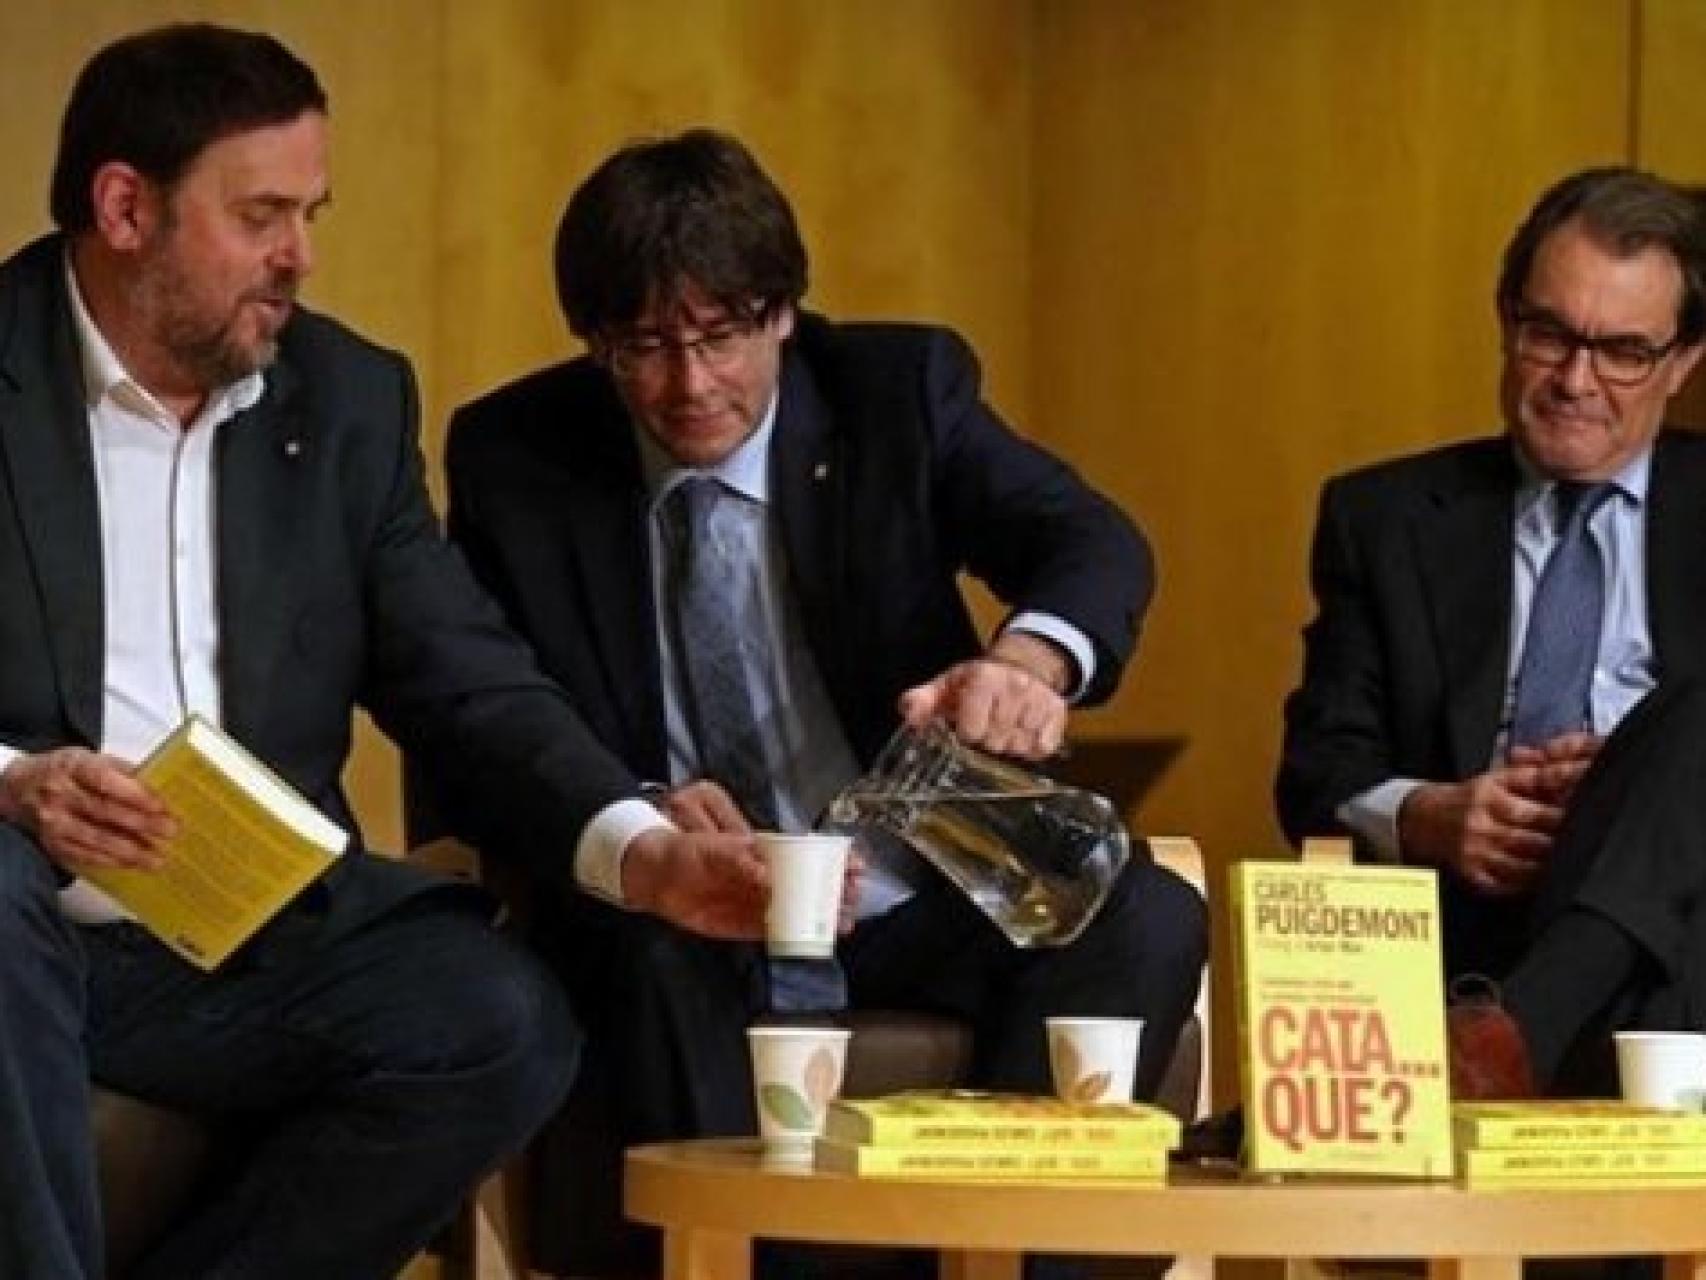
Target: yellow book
(1612,1165)
(247,844)
(1571,1122)
(1127,1164)
(1341,1019)
(962,1118)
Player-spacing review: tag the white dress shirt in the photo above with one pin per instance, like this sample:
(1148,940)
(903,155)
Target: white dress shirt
(154,486)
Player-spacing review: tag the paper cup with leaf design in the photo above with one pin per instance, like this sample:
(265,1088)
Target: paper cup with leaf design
(796,1073)
(1093,1059)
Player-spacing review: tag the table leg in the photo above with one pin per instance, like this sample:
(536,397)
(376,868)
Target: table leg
(706,1255)
(1477,1268)
(978,1264)
(1685,1266)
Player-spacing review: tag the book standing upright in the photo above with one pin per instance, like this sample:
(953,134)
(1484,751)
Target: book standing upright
(1341,1020)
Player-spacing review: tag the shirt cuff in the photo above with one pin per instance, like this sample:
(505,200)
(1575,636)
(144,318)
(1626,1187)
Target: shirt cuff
(7,755)
(598,853)
(1373,815)
(1068,637)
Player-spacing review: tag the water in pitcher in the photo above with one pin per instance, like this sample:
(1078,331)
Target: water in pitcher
(1036,857)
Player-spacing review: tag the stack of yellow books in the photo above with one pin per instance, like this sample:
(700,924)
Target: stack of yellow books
(997,1136)
(1586,1143)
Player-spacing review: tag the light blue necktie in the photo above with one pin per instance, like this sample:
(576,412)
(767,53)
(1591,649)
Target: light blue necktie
(1554,679)
(712,644)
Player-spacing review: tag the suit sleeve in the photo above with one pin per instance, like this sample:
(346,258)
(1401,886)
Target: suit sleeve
(462,694)
(1026,524)
(1336,738)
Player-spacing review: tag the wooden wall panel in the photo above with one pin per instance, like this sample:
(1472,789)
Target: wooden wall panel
(899,129)
(1669,130)
(1266,242)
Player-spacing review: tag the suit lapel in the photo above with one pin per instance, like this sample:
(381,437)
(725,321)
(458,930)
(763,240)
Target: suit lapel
(1465,539)
(609,544)
(1676,553)
(264,458)
(44,438)
(807,485)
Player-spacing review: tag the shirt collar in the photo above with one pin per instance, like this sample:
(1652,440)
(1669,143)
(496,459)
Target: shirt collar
(1535,486)
(104,375)
(746,470)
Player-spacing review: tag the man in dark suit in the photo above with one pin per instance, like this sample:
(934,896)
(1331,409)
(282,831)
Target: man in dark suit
(211,502)
(1500,679)
(852,473)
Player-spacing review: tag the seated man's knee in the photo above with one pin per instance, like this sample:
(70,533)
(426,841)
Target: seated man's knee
(505,1022)
(1160,918)
(1175,918)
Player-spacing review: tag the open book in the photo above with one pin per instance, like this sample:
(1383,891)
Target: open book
(247,844)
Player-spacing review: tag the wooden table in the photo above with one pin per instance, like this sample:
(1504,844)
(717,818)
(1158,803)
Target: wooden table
(712,1197)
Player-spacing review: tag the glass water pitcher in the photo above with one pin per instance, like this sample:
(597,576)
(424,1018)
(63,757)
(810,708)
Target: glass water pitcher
(1036,856)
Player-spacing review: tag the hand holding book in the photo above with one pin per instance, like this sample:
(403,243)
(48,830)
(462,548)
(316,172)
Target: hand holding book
(86,810)
(246,844)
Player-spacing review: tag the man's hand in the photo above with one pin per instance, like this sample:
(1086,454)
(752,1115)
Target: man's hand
(1558,765)
(1495,830)
(702,805)
(1011,701)
(86,810)
(709,883)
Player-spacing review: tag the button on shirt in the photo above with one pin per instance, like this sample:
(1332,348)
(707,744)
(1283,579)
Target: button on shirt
(1624,671)
(155,491)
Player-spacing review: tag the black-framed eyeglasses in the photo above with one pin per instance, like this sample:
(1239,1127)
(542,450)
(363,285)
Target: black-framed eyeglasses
(1620,359)
(650,355)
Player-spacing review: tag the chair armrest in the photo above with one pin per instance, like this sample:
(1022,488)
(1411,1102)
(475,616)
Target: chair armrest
(449,857)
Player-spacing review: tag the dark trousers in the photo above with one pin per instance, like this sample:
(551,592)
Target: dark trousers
(381,1073)
(667,1028)
(1632,854)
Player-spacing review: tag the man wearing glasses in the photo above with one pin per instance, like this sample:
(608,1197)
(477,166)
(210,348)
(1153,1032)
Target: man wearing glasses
(1499,678)
(838,478)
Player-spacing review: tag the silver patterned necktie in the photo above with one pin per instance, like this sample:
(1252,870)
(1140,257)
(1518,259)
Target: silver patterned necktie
(1554,680)
(715,647)
(711,643)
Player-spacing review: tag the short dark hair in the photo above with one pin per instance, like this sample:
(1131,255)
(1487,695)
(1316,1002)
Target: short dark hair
(1625,211)
(156,99)
(663,215)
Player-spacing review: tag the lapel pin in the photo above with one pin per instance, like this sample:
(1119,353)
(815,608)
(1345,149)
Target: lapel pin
(821,471)
(293,448)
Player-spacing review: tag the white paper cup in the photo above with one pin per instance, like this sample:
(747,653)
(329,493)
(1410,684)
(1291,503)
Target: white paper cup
(806,877)
(1093,1059)
(1663,1068)
(796,1074)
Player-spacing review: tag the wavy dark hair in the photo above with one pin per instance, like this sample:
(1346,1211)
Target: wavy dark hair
(157,99)
(662,216)
(1624,210)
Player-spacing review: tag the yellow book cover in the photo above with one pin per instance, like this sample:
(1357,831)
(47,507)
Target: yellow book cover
(1636,1165)
(1341,1019)
(1574,1122)
(965,1118)
(247,843)
(1126,1164)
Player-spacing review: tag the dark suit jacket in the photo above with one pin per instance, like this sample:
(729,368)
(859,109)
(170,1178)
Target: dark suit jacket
(890,477)
(334,588)
(1405,662)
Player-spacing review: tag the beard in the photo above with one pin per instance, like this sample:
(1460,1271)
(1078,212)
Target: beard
(202,340)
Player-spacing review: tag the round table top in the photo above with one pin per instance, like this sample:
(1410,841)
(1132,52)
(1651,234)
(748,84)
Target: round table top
(725,1185)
